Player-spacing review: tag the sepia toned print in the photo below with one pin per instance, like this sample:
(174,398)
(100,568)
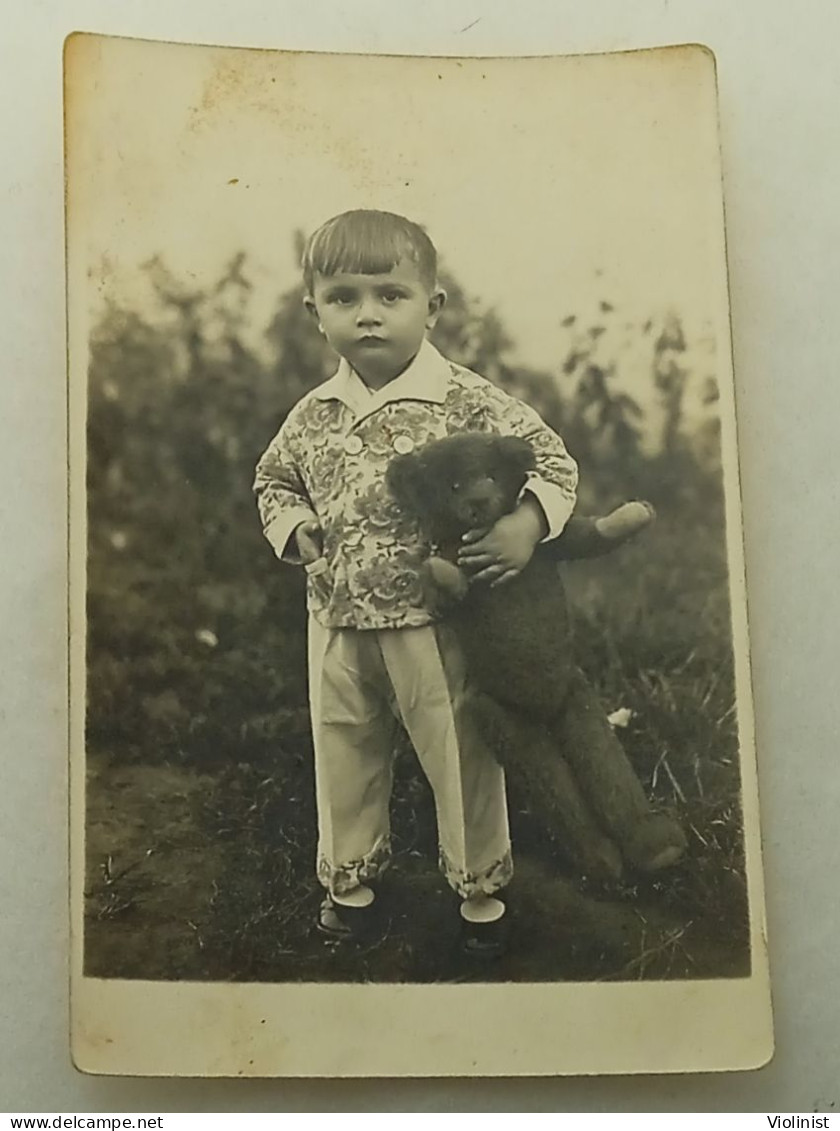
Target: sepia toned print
(316,759)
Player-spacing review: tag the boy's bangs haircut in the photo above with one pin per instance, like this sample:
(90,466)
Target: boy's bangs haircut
(367,242)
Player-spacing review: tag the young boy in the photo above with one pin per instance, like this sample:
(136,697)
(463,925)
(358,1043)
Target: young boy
(375,649)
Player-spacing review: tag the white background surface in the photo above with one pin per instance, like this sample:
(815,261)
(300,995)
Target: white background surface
(779,90)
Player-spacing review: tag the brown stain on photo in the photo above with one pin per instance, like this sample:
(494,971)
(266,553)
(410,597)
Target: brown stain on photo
(80,57)
(274,86)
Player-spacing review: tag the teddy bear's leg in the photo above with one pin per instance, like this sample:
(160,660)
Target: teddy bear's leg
(649,840)
(535,768)
(585,537)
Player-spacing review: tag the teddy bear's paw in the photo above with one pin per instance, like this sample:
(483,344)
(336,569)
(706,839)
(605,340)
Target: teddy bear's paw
(625,522)
(443,583)
(656,843)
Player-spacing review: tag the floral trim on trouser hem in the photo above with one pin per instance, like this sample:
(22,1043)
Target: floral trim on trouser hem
(486,882)
(340,878)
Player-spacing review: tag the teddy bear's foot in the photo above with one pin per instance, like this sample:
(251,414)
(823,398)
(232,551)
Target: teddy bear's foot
(600,860)
(656,843)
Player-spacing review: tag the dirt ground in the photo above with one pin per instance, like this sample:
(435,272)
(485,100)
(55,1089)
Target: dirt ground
(168,896)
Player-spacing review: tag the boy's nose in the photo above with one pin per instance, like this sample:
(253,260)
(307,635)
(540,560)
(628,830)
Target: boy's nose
(368,315)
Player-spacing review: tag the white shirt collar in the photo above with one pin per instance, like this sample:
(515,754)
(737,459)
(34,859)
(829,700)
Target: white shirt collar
(425,379)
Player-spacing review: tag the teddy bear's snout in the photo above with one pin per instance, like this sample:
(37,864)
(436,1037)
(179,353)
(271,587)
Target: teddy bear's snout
(481,503)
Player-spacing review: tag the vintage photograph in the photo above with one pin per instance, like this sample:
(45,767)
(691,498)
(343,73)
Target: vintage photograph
(408,607)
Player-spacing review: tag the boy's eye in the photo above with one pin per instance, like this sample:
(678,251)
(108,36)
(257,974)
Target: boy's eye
(392,296)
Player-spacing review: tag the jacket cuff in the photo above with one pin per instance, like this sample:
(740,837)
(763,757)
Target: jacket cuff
(279,532)
(555,502)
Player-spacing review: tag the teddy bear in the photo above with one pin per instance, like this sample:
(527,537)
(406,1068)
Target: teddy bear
(535,706)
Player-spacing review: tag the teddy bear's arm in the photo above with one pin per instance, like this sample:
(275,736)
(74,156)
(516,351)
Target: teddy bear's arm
(592,537)
(443,582)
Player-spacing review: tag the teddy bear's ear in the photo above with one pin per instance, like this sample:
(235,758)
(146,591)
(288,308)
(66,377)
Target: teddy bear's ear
(516,455)
(404,479)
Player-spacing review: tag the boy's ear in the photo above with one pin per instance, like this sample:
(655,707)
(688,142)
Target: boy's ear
(516,456)
(311,309)
(437,301)
(404,479)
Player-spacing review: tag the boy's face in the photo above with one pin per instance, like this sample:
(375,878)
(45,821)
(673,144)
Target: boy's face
(376,322)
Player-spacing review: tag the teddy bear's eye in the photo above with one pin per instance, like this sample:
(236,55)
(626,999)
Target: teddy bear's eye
(456,486)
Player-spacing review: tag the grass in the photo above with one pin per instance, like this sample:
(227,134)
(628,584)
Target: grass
(656,638)
(201,810)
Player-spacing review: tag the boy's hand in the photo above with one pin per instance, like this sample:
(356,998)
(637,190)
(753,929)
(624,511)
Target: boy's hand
(497,555)
(309,538)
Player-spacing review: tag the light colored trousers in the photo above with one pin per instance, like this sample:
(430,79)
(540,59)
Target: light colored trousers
(360,681)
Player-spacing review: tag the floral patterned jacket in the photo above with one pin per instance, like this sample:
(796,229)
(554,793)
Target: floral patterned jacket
(327,464)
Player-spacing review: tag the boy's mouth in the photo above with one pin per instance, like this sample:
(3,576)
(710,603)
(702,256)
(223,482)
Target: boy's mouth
(371,340)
